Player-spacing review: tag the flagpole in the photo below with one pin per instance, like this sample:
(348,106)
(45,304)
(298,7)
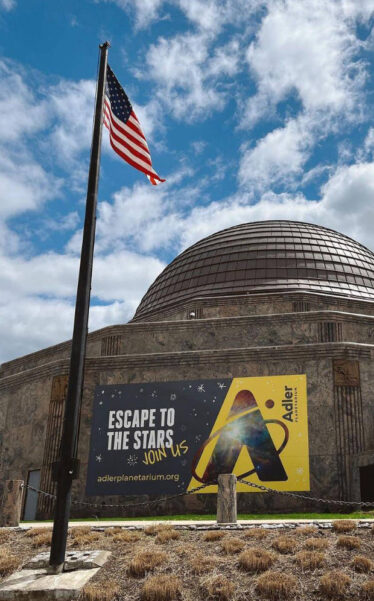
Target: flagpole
(67,466)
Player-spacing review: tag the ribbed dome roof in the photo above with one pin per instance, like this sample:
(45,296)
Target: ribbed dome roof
(265,256)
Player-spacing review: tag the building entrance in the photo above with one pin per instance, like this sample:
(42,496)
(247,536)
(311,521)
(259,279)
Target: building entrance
(367,482)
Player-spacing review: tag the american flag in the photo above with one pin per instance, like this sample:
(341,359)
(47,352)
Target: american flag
(125,134)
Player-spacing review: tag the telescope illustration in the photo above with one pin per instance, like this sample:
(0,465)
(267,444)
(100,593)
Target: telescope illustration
(245,427)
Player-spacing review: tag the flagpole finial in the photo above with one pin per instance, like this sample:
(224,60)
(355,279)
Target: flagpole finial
(105,45)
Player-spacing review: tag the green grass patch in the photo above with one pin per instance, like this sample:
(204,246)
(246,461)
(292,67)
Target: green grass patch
(357,515)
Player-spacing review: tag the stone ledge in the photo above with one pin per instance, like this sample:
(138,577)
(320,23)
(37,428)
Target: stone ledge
(299,352)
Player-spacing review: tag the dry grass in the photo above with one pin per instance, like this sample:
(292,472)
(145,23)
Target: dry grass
(362,564)
(100,592)
(113,530)
(306,530)
(42,540)
(201,564)
(126,537)
(79,531)
(34,532)
(232,545)
(8,562)
(344,525)
(81,540)
(310,560)
(276,585)
(256,533)
(368,590)
(164,536)
(5,535)
(145,561)
(217,588)
(316,544)
(213,535)
(349,542)
(256,560)
(161,588)
(154,529)
(334,584)
(284,544)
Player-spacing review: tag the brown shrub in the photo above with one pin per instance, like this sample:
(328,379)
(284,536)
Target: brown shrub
(78,531)
(126,537)
(310,560)
(201,564)
(284,544)
(5,535)
(81,540)
(8,562)
(256,560)
(161,588)
(306,530)
(33,532)
(217,587)
(232,545)
(42,540)
(334,584)
(213,535)
(113,530)
(257,533)
(349,542)
(154,529)
(145,561)
(362,564)
(315,543)
(368,590)
(150,530)
(100,592)
(164,536)
(276,585)
(344,525)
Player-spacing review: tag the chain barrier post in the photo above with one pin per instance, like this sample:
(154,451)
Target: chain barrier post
(226,499)
(12,503)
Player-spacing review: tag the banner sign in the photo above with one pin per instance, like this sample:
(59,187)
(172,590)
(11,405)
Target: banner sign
(170,437)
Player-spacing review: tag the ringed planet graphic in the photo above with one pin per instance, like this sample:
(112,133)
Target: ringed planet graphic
(245,427)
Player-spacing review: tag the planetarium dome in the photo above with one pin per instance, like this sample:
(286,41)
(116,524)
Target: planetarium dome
(260,257)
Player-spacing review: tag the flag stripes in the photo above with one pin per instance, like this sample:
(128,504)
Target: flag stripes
(125,134)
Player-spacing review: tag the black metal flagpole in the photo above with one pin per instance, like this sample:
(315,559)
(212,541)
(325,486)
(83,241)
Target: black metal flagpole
(67,466)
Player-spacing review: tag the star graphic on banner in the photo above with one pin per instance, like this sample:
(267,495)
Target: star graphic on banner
(221,385)
(99,458)
(201,388)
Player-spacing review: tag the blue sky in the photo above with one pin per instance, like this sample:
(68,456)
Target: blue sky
(253,109)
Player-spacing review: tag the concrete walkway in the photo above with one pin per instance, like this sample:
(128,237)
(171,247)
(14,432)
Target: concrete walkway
(196,523)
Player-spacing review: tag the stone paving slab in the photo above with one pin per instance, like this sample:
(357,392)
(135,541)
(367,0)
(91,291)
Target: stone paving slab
(74,560)
(37,585)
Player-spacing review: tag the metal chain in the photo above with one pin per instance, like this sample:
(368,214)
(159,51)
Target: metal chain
(198,488)
(305,497)
(127,505)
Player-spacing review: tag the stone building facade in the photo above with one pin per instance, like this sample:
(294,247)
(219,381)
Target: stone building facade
(259,299)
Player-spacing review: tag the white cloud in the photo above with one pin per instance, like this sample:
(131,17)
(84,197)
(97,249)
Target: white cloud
(7,5)
(187,74)
(309,49)
(41,291)
(71,105)
(362,9)
(24,184)
(21,114)
(279,156)
(146,11)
